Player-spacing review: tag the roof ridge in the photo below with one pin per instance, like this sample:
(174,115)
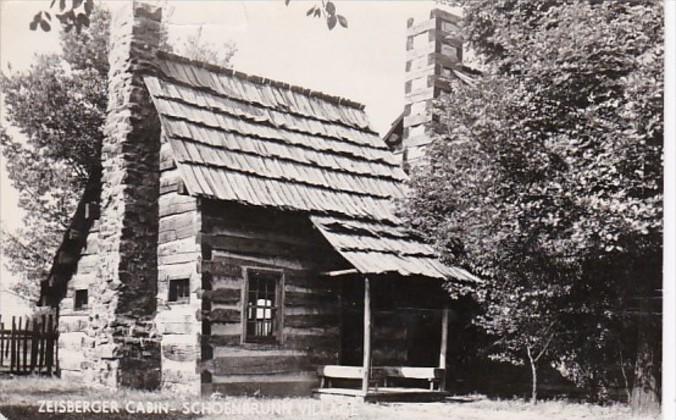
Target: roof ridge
(337,100)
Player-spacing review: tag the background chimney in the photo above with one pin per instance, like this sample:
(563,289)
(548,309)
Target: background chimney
(118,351)
(433,50)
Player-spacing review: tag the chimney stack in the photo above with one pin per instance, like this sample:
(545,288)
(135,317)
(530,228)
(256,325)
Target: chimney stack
(119,349)
(433,50)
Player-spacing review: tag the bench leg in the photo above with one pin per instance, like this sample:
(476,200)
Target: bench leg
(322,382)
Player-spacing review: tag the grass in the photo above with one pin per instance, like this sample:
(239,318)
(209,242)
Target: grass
(20,397)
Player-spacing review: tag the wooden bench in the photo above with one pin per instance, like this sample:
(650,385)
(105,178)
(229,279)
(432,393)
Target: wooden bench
(435,376)
(382,374)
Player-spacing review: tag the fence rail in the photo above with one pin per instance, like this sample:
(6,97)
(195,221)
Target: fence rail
(29,345)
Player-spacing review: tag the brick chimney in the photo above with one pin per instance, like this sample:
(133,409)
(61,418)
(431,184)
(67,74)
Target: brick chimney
(433,50)
(119,348)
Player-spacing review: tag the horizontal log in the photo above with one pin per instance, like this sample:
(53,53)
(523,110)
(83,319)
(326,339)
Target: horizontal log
(253,246)
(312,342)
(255,352)
(254,365)
(91,244)
(297,263)
(88,264)
(318,288)
(169,181)
(222,268)
(178,323)
(309,299)
(305,278)
(71,341)
(177,247)
(226,328)
(316,321)
(219,281)
(241,230)
(224,315)
(178,258)
(69,324)
(223,340)
(180,352)
(177,271)
(173,203)
(81,281)
(314,331)
(174,235)
(71,359)
(167,161)
(225,296)
(179,376)
(178,223)
(312,310)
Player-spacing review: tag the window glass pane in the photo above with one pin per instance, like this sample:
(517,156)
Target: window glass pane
(179,290)
(261,302)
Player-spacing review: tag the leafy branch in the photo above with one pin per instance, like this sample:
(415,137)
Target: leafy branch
(70,14)
(327,10)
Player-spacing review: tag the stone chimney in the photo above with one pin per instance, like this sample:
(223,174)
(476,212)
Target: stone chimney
(433,50)
(120,348)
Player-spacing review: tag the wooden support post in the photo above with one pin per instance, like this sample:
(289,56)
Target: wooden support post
(367,337)
(443,348)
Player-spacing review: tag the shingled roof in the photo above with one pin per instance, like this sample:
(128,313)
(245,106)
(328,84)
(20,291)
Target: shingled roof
(248,139)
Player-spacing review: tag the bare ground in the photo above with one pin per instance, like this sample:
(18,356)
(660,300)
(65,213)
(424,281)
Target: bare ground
(21,397)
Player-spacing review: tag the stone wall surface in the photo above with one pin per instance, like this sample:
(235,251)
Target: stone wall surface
(121,347)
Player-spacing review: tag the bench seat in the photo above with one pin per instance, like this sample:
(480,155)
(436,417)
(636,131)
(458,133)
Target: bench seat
(382,374)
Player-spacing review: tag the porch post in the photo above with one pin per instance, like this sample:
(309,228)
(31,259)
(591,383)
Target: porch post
(367,337)
(443,347)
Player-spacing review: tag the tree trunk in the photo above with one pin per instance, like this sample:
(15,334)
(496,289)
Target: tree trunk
(645,395)
(534,377)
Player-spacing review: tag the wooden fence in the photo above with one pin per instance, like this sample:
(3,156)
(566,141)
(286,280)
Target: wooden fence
(29,345)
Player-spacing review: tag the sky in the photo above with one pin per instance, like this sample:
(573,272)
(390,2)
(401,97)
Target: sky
(364,62)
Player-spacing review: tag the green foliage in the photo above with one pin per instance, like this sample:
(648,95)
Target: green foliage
(550,168)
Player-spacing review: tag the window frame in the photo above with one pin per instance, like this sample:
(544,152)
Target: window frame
(180,300)
(278,312)
(77,307)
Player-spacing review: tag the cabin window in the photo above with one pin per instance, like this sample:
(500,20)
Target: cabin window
(179,291)
(262,321)
(81,299)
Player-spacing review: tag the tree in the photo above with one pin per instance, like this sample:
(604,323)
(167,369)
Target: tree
(196,48)
(56,110)
(76,14)
(547,177)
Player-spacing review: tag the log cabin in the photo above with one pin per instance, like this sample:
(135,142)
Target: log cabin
(243,239)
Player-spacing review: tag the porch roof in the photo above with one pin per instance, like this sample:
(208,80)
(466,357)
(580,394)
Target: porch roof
(374,247)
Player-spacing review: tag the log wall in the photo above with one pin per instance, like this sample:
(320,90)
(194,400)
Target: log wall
(178,255)
(236,237)
(73,324)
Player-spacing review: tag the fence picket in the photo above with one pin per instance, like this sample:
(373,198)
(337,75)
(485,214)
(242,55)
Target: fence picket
(25,344)
(41,341)
(50,346)
(2,343)
(34,344)
(13,345)
(30,345)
